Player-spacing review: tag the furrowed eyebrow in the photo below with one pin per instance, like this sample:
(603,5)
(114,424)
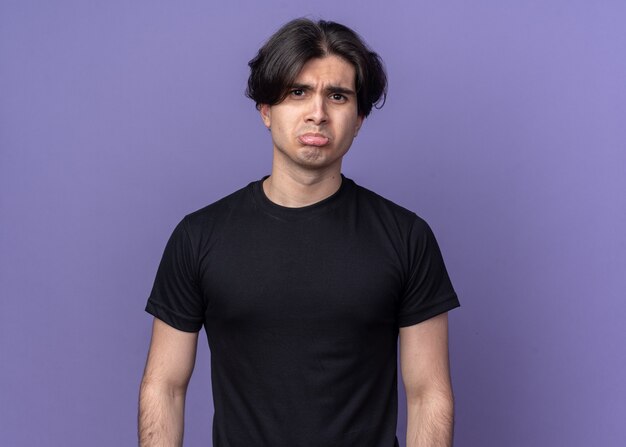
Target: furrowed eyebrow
(338,89)
(329,89)
(304,87)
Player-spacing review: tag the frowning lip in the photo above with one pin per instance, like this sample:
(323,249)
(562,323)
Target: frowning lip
(313,139)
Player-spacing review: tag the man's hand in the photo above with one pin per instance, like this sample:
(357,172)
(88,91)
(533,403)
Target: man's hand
(426,376)
(162,396)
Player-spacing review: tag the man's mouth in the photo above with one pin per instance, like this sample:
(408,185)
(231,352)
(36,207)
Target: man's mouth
(313,139)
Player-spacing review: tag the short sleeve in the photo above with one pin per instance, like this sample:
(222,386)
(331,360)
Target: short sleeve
(176,298)
(428,291)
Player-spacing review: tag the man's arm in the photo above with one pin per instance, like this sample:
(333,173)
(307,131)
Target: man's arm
(426,376)
(170,363)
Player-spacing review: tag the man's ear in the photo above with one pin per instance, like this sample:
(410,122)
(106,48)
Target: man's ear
(359,123)
(266,115)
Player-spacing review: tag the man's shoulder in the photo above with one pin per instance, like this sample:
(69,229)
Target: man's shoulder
(383,206)
(396,222)
(221,208)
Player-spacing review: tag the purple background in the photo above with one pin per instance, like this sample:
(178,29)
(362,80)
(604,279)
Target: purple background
(504,128)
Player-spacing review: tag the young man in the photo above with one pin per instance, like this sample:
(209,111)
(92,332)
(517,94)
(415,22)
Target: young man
(303,280)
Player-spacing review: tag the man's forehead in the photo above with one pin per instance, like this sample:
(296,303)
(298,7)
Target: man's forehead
(329,70)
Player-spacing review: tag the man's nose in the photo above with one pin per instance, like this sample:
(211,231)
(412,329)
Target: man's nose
(317,113)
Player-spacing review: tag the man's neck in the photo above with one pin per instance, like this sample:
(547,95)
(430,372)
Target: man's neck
(298,189)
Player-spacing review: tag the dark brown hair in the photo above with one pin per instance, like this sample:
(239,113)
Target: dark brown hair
(279,61)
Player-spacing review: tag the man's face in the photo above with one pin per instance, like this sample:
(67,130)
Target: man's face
(313,127)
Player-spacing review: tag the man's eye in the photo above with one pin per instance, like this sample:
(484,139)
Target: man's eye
(297,92)
(338,97)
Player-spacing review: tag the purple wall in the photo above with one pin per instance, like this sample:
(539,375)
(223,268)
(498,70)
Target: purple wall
(504,128)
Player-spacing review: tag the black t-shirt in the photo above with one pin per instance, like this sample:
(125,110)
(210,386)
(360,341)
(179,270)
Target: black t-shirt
(302,307)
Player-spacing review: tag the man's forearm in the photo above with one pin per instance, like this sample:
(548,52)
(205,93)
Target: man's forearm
(161,416)
(430,421)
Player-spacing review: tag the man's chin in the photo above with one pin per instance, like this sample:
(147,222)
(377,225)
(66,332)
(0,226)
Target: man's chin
(313,157)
